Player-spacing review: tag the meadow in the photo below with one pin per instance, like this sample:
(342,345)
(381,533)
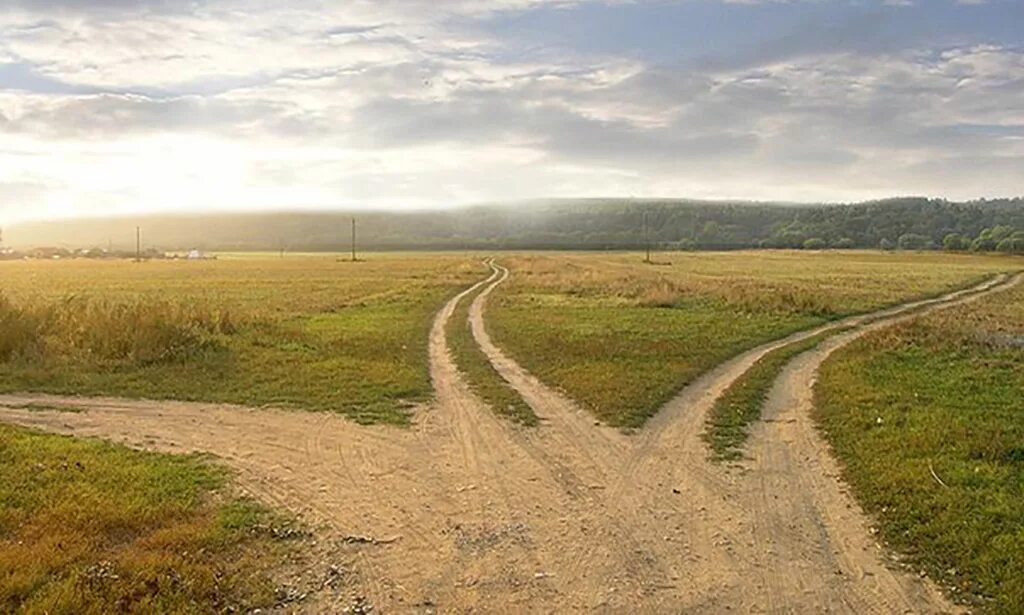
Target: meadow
(622,337)
(927,419)
(304,331)
(90,527)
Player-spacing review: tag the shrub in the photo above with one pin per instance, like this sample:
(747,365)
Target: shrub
(913,241)
(954,242)
(815,243)
(1011,245)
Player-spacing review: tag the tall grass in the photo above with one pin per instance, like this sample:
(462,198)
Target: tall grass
(303,332)
(138,333)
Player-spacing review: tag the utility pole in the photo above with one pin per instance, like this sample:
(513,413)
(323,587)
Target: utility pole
(138,244)
(353,239)
(647,239)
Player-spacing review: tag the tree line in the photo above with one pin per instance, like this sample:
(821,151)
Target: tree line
(579,224)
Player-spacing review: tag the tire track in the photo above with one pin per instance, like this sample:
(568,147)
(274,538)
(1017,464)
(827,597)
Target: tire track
(667,472)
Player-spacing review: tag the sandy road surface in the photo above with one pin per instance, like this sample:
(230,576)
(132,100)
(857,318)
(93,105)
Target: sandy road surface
(475,514)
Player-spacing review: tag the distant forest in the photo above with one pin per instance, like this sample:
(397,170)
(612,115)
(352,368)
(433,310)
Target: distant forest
(582,224)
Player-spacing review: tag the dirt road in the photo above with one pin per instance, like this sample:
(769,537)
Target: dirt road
(474,514)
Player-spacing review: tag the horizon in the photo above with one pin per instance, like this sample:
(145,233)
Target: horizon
(111,108)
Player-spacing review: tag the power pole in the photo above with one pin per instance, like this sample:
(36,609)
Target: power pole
(647,239)
(353,239)
(138,244)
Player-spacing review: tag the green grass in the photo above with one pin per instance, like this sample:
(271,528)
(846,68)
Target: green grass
(622,337)
(944,393)
(741,404)
(300,332)
(87,526)
(478,371)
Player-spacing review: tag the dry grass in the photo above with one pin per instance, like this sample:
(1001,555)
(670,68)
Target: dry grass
(304,332)
(109,333)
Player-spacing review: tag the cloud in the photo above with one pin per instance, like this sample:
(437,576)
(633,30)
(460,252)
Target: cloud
(117,106)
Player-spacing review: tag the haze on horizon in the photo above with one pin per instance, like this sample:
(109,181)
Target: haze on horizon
(135,106)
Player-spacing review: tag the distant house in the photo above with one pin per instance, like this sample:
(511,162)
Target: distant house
(49,253)
(199,255)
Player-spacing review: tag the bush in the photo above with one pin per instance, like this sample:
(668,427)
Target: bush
(954,242)
(913,241)
(1011,245)
(815,243)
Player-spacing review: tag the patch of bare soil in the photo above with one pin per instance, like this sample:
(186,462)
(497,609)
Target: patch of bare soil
(466,512)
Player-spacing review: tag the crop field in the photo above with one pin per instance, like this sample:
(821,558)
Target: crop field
(304,331)
(622,337)
(928,420)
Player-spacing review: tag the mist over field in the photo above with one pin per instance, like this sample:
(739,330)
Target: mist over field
(553,224)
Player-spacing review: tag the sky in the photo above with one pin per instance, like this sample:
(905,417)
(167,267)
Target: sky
(112,107)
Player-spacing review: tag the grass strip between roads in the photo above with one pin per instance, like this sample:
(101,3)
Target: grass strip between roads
(480,374)
(740,405)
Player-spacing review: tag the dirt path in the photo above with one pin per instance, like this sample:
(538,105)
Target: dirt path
(735,539)
(474,514)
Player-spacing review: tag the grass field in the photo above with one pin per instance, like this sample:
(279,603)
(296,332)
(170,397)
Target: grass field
(89,527)
(622,337)
(304,332)
(945,395)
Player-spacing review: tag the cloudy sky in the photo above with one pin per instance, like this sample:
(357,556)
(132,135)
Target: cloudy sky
(117,106)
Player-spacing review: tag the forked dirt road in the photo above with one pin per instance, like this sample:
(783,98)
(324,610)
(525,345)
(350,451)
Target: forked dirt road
(471,513)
